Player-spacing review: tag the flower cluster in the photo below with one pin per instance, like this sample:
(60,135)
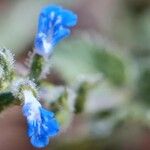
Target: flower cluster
(54,23)
(41,123)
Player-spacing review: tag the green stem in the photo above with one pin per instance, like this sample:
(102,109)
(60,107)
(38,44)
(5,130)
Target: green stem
(36,67)
(60,104)
(81,97)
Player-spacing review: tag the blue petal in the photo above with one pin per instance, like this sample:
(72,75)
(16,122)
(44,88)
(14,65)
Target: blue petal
(51,8)
(53,127)
(39,141)
(43,25)
(48,121)
(68,18)
(60,34)
(31,128)
(45,112)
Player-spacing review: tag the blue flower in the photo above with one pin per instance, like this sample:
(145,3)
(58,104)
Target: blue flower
(41,124)
(54,25)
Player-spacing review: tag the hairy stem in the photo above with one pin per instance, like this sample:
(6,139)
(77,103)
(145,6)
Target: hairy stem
(36,67)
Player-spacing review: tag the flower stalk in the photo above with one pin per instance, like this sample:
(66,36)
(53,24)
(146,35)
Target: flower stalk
(36,67)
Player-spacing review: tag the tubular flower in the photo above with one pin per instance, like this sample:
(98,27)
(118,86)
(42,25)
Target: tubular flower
(54,24)
(41,123)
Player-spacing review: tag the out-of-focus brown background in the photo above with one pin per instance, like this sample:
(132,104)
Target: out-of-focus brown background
(112,38)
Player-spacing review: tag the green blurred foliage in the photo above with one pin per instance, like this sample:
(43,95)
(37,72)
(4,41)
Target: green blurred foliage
(112,66)
(77,56)
(144,87)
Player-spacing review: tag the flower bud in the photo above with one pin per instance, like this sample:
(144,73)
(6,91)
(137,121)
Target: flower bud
(6,68)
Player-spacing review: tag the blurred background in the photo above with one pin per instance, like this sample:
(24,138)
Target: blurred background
(112,38)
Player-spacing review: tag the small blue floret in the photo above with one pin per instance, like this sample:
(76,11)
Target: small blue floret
(54,25)
(41,125)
